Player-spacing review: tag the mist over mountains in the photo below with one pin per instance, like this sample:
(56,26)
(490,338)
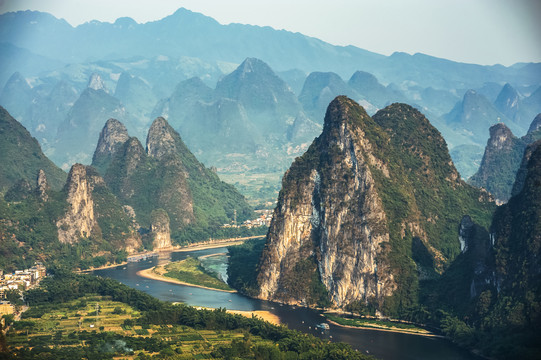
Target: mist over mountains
(244,98)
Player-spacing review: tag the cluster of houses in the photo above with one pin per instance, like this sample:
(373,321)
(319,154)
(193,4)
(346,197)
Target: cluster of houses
(19,280)
(264,219)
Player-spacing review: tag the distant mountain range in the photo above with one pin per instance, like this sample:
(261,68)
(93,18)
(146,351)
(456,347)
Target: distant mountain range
(186,33)
(245,99)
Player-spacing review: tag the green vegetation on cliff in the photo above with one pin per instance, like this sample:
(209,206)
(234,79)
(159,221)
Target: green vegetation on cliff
(242,266)
(167,175)
(29,227)
(384,184)
(501,161)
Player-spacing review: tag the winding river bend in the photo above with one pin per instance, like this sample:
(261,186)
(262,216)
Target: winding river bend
(383,345)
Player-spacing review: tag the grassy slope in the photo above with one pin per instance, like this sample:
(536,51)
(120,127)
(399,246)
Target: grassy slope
(58,325)
(191,271)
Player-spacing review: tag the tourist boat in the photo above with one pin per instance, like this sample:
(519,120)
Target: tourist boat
(323,326)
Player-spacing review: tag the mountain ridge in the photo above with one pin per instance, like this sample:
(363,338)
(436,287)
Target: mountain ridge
(342,59)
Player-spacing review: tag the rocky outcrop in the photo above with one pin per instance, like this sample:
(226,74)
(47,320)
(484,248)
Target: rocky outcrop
(96,82)
(159,230)
(79,220)
(112,136)
(164,144)
(350,204)
(501,160)
(93,211)
(42,187)
(500,137)
(160,140)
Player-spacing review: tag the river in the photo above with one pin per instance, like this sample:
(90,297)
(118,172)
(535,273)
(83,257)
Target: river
(381,344)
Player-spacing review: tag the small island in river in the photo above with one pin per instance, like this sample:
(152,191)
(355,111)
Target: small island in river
(188,272)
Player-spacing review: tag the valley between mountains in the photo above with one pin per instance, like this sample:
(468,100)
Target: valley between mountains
(407,195)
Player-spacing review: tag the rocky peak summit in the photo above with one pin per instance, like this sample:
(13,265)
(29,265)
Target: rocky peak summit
(508,96)
(364,80)
(500,137)
(161,139)
(96,82)
(252,64)
(112,136)
(338,114)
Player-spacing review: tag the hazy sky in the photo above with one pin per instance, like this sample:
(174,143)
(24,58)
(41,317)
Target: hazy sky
(475,31)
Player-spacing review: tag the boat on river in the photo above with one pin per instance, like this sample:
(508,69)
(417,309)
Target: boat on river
(323,326)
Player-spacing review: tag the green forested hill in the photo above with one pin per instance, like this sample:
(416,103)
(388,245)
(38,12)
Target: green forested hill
(21,156)
(167,175)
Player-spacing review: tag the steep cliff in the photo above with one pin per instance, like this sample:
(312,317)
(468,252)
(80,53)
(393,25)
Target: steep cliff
(94,212)
(507,310)
(360,206)
(516,233)
(42,186)
(501,160)
(112,136)
(159,229)
(79,221)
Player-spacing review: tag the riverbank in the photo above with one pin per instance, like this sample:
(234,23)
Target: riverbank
(108,266)
(381,327)
(151,274)
(210,244)
(263,314)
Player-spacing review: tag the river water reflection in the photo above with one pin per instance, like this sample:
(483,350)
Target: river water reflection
(383,345)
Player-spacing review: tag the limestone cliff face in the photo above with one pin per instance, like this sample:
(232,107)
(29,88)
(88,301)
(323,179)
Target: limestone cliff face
(364,215)
(330,212)
(93,211)
(112,136)
(42,187)
(159,230)
(79,220)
